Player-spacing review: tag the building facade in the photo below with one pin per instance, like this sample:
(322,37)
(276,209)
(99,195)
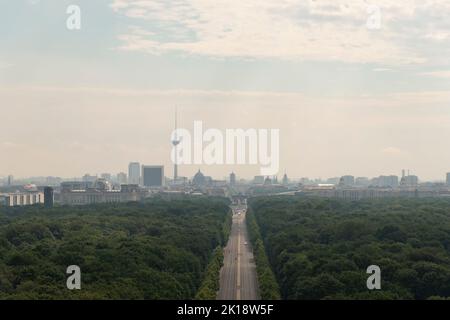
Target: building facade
(49,197)
(23,199)
(127,193)
(134,173)
(153,176)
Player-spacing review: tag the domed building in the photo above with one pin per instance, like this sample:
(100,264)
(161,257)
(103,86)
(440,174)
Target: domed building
(199,179)
(102,184)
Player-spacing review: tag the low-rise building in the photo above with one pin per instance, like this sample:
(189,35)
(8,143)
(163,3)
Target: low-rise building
(127,193)
(23,198)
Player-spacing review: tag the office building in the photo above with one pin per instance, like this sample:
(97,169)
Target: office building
(232,179)
(409,181)
(122,178)
(134,173)
(153,176)
(10,180)
(448,178)
(48,197)
(387,181)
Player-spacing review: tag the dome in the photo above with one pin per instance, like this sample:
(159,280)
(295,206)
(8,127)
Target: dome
(102,184)
(199,179)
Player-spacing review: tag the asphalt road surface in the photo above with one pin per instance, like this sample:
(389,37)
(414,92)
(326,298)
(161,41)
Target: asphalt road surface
(238,279)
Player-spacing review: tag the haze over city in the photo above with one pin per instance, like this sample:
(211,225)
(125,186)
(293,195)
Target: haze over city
(347,99)
(232,158)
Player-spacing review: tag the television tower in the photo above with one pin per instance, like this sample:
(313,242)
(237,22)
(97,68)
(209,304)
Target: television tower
(175,142)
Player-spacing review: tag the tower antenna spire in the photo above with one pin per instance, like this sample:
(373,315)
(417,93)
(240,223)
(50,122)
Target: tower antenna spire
(175,143)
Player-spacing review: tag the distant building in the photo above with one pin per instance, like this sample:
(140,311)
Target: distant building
(153,176)
(387,181)
(285,180)
(48,197)
(23,199)
(127,193)
(305,181)
(199,179)
(88,178)
(134,173)
(75,185)
(409,181)
(10,180)
(259,180)
(362,181)
(106,176)
(448,178)
(334,180)
(358,193)
(232,179)
(347,181)
(122,178)
(53,181)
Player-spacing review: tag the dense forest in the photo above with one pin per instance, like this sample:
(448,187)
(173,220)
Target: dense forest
(268,286)
(154,250)
(321,248)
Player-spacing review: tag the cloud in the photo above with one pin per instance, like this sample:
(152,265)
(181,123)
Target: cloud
(437,74)
(285,29)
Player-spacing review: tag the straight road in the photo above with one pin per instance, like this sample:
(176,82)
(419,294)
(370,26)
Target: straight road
(238,279)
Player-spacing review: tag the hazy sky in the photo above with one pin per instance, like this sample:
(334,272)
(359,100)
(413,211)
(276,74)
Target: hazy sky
(347,99)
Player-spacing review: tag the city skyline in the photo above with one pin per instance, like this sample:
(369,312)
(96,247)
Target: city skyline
(137,176)
(363,101)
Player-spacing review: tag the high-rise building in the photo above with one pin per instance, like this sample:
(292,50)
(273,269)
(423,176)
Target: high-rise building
(448,178)
(153,176)
(10,180)
(232,178)
(134,173)
(122,178)
(48,197)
